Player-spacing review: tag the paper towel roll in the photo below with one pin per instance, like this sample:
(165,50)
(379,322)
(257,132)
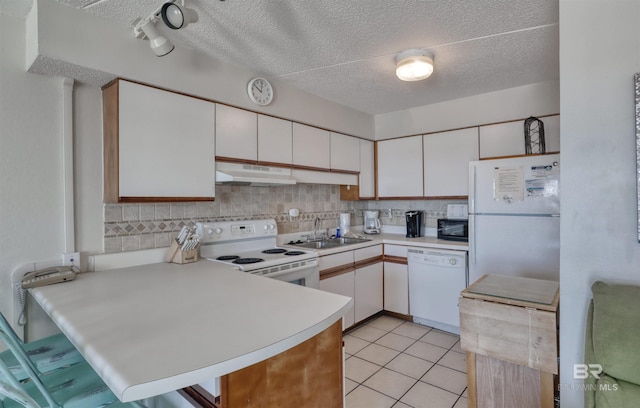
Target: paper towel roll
(345,222)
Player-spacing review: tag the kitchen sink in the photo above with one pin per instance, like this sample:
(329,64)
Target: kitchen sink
(332,242)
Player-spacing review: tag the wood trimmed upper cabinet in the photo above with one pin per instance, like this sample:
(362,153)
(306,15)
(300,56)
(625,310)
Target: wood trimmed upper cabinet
(400,167)
(311,147)
(446,162)
(507,139)
(236,133)
(158,145)
(367,180)
(275,140)
(345,152)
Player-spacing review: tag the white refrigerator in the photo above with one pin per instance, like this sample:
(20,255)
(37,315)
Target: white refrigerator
(514,217)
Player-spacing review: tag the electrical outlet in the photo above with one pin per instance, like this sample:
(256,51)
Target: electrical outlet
(71,259)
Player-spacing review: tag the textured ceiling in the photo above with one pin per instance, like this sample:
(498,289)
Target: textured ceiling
(344,51)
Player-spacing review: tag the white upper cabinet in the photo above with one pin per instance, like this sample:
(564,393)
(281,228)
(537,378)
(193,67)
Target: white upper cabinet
(345,152)
(158,144)
(367,169)
(446,162)
(503,139)
(275,140)
(311,147)
(507,139)
(400,167)
(236,133)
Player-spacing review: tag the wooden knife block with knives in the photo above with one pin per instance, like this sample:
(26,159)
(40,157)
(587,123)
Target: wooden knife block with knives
(183,249)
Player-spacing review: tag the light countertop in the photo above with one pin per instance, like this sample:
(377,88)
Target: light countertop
(151,329)
(389,238)
(422,242)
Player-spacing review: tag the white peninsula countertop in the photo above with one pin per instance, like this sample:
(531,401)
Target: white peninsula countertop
(151,329)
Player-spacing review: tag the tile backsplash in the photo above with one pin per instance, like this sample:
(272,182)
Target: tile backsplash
(130,227)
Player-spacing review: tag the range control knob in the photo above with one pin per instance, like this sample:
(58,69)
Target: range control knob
(218,230)
(453,261)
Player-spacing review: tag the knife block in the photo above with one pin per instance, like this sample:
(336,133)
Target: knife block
(175,254)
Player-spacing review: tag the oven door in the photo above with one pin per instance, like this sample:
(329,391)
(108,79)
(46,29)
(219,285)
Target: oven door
(307,274)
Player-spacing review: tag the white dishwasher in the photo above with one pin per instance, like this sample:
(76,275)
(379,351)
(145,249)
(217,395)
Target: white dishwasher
(436,278)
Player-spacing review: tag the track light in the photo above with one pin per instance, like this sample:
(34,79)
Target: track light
(159,44)
(174,15)
(177,16)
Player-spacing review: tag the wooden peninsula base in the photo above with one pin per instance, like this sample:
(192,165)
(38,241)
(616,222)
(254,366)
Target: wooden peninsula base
(309,375)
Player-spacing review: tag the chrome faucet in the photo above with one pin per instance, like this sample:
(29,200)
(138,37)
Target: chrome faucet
(315,227)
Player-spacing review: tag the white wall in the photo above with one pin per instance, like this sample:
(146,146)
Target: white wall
(30,161)
(600,52)
(509,104)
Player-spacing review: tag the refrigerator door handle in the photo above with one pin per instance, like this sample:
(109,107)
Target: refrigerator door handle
(472,188)
(472,239)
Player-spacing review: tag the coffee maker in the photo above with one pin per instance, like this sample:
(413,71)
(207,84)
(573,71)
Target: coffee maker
(371,222)
(414,224)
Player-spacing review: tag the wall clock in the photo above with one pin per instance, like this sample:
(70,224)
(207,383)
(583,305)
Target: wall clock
(260,91)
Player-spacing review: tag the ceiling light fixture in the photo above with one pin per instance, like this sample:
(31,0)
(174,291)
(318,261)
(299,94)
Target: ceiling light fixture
(174,15)
(159,44)
(177,16)
(414,64)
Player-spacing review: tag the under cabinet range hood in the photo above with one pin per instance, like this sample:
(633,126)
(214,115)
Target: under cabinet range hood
(250,174)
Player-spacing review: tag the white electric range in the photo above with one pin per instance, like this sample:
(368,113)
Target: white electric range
(251,246)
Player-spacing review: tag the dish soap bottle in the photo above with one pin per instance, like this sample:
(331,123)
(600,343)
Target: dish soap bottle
(338,232)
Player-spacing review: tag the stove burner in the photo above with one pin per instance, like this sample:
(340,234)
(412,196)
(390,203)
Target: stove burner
(274,251)
(293,253)
(244,261)
(227,258)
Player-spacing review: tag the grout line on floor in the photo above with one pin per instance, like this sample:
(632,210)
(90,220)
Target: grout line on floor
(401,352)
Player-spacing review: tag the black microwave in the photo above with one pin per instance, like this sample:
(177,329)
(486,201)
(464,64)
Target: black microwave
(453,229)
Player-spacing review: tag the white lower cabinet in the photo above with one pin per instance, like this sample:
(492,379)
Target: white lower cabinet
(368,291)
(343,284)
(396,279)
(396,288)
(359,275)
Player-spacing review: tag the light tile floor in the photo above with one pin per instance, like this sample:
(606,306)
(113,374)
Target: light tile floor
(394,363)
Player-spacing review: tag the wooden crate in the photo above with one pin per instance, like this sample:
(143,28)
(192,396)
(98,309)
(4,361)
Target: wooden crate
(517,334)
(509,329)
